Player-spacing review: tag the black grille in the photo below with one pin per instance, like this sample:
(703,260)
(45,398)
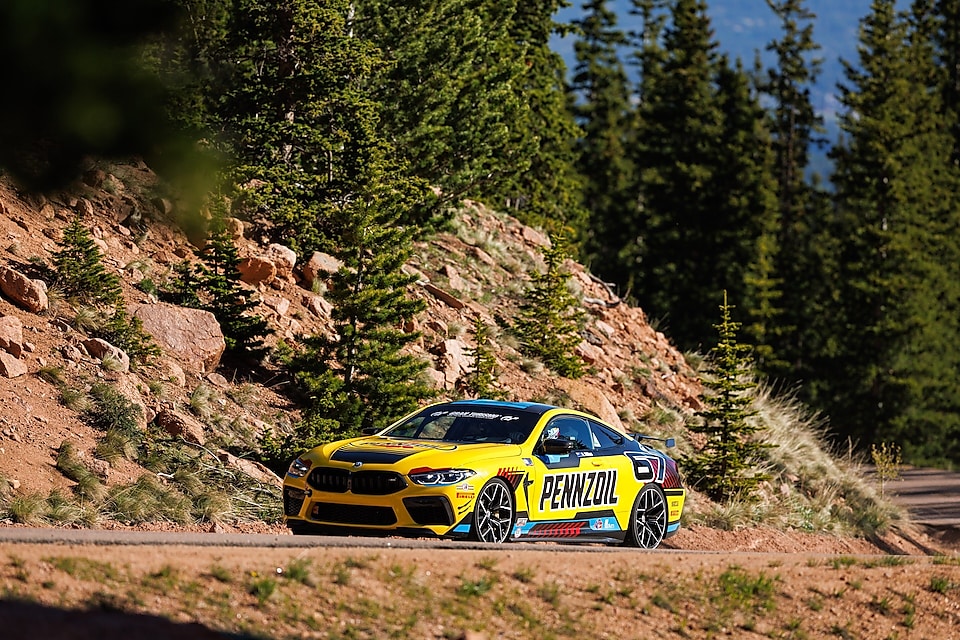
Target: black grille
(376,483)
(293,501)
(327,479)
(353,514)
(429,510)
(371,483)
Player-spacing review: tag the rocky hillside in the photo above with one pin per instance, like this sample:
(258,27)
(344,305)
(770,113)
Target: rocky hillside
(636,377)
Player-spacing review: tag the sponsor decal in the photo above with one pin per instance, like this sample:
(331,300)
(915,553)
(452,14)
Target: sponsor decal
(604,524)
(475,414)
(464,486)
(578,490)
(584,454)
(465,495)
(408,445)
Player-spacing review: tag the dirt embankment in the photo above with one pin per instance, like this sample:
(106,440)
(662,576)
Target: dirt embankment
(750,583)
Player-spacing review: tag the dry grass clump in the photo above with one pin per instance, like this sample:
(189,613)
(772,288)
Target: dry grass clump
(810,487)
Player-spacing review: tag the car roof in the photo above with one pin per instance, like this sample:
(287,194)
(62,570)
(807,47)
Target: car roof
(536,408)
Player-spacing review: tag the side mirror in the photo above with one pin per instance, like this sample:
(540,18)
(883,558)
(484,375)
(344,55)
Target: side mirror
(670,443)
(369,431)
(558,446)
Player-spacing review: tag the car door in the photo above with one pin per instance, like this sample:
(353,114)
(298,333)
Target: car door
(578,484)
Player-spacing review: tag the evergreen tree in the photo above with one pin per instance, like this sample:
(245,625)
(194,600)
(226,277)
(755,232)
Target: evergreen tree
(795,128)
(215,286)
(726,467)
(745,247)
(548,192)
(127,334)
(81,274)
(603,111)
(358,376)
(946,39)
(297,116)
(83,278)
(480,381)
(550,319)
(648,59)
(704,218)
(896,371)
(681,124)
(448,92)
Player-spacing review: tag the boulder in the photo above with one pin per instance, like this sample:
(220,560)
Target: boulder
(27,293)
(254,469)
(318,266)
(592,400)
(11,367)
(191,336)
(284,258)
(11,335)
(181,425)
(100,349)
(255,269)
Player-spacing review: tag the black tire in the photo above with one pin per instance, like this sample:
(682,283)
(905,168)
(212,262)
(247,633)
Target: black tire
(493,513)
(648,519)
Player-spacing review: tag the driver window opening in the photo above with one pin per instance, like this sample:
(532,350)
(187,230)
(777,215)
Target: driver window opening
(572,429)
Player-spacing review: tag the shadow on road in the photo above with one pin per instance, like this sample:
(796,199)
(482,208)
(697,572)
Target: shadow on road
(29,621)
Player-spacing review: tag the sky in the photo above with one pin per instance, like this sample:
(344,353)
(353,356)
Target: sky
(743,27)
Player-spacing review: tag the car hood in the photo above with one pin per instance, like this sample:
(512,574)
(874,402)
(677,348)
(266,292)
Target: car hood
(415,453)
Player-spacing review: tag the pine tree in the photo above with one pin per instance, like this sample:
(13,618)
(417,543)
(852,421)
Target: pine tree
(550,319)
(294,112)
(214,285)
(705,216)
(745,246)
(85,280)
(448,91)
(81,274)
(726,467)
(946,40)
(480,381)
(601,92)
(358,377)
(547,192)
(648,59)
(792,332)
(895,372)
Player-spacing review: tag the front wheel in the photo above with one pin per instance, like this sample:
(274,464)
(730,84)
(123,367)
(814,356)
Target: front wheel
(493,513)
(648,520)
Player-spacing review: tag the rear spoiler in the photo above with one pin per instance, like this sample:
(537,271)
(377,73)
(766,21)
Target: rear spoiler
(669,443)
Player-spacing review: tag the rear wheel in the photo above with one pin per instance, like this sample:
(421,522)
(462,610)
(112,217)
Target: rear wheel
(493,513)
(648,520)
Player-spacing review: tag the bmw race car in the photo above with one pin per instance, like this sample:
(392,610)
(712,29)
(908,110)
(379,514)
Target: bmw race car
(491,471)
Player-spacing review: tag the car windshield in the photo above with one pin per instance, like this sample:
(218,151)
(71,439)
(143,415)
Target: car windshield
(467,424)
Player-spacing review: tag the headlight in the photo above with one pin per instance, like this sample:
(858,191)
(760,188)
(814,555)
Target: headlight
(440,477)
(299,468)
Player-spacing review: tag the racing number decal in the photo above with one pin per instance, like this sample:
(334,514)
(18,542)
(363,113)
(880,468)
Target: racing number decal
(577,490)
(646,468)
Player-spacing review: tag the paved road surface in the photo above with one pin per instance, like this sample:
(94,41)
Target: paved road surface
(931,496)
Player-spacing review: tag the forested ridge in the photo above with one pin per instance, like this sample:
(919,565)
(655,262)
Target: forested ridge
(673,171)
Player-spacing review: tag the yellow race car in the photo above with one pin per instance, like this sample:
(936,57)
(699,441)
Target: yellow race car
(491,471)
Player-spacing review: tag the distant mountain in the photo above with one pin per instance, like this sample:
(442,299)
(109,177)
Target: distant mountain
(743,28)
